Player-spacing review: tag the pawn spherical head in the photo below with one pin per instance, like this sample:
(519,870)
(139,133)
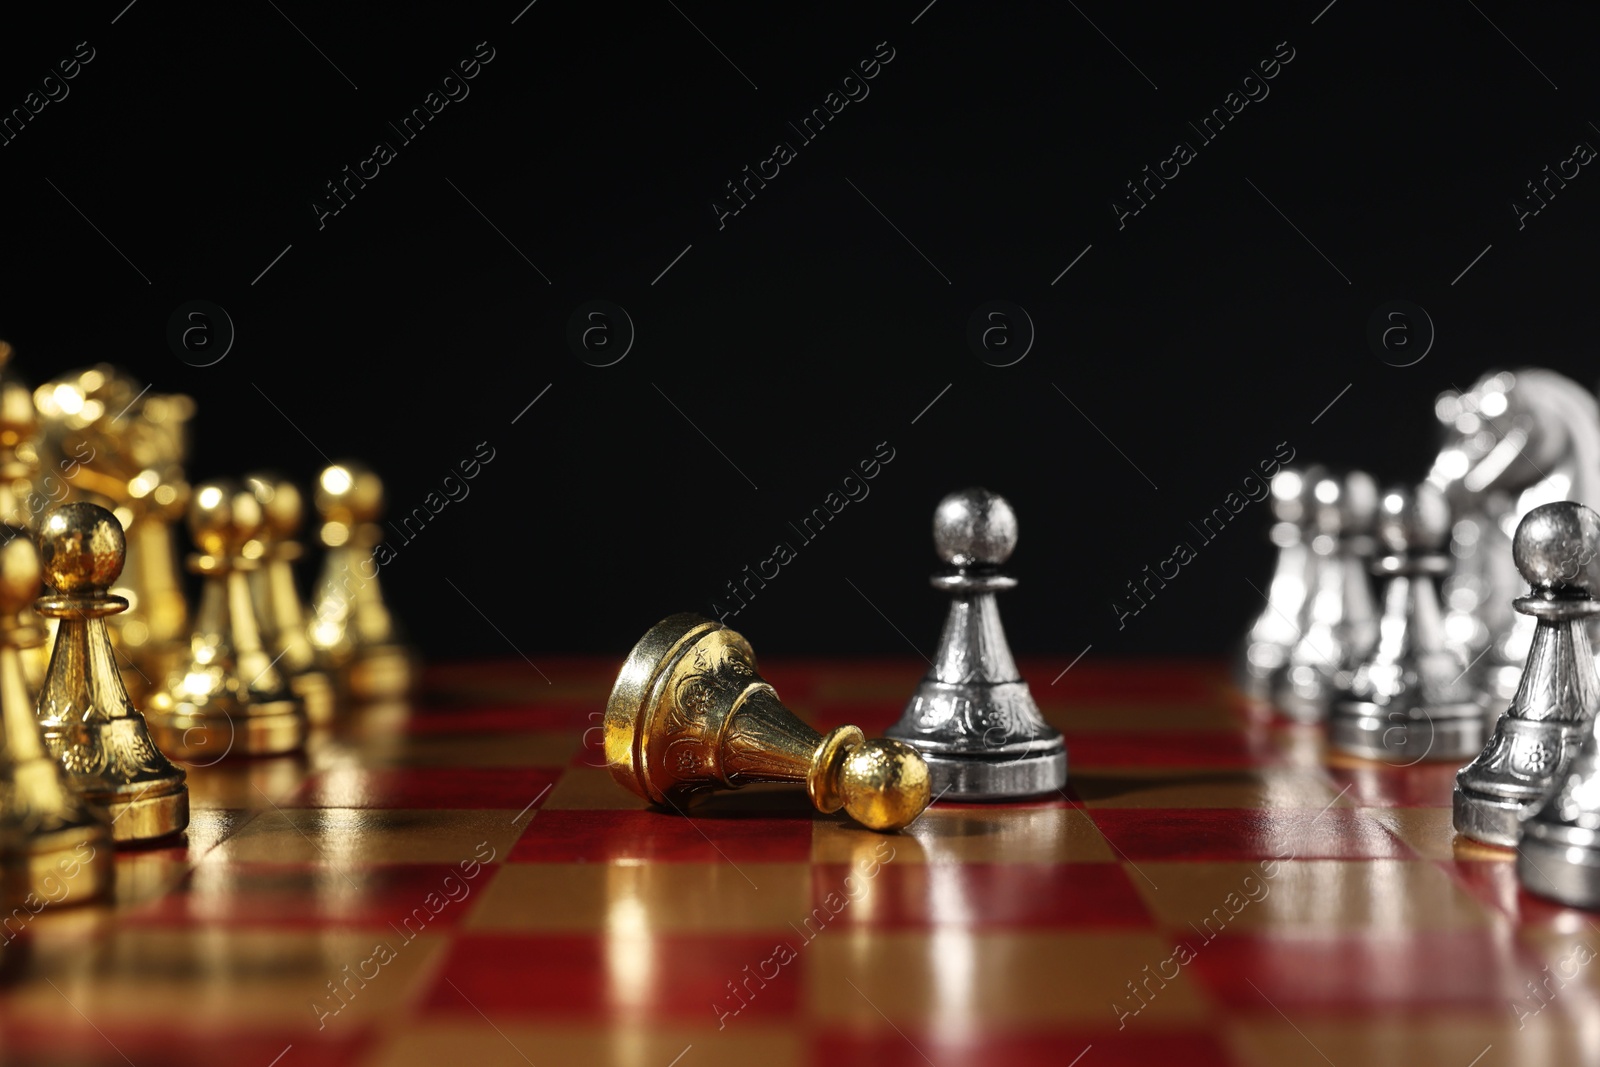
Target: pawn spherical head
(82,548)
(21,574)
(974,526)
(1359,502)
(282,506)
(349,492)
(884,784)
(1291,493)
(19,419)
(223,517)
(1413,520)
(1555,547)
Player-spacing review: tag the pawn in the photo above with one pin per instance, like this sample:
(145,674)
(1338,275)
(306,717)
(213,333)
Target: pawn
(1341,621)
(228,695)
(19,464)
(90,726)
(351,625)
(50,837)
(1411,700)
(1551,715)
(1277,628)
(972,717)
(689,714)
(272,585)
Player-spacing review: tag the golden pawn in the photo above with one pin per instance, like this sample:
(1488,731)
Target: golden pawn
(54,846)
(283,616)
(350,623)
(690,714)
(89,724)
(19,505)
(228,695)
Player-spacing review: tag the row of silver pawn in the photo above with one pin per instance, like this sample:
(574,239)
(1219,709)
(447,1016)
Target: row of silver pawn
(1395,681)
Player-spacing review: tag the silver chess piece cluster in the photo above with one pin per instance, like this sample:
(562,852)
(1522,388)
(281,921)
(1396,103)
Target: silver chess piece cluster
(1511,442)
(1484,648)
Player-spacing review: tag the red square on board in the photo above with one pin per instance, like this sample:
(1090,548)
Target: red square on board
(1161,748)
(1389,970)
(506,718)
(1247,834)
(631,977)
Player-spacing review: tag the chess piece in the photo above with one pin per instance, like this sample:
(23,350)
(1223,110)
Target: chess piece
(228,696)
(1412,699)
(1537,737)
(54,845)
(90,726)
(272,586)
(1513,441)
(972,717)
(351,625)
(1277,628)
(1341,620)
(689,714)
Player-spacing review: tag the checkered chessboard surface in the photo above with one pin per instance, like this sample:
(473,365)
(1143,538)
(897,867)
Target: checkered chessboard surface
(461,882)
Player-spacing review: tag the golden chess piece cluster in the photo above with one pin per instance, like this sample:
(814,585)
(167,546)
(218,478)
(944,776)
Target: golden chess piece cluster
(110,677)
(103,437)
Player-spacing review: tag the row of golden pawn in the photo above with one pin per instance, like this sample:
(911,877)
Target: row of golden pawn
(97,434)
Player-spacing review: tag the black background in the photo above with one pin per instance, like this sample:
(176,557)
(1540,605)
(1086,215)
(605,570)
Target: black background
(1191,342)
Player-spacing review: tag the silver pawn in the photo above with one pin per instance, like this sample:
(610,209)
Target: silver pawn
(1267,645)
(1550,717)
(972,717)
(1412,699)
(1341,619)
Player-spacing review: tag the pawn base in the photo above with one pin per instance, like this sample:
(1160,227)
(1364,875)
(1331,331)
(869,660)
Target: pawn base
(382,672)
(1445,732)
(160,811)
(1304,700)
(1490,820)
(1565,873)
(203,737)
(980,778)
(69,866)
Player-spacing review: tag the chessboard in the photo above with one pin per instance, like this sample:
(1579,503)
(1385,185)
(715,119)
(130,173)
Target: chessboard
(460,880)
